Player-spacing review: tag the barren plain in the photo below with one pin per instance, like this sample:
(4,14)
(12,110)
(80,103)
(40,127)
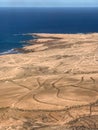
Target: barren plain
(51,85)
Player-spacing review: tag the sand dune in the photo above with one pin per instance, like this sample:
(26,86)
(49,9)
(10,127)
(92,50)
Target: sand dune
(52,85)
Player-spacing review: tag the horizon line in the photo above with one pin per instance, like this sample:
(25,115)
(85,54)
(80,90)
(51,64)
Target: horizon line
(48,6)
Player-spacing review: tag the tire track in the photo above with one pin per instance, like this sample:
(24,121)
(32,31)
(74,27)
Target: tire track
(37,100)
(58,92)
(20,99)
(28,94)
(83,88)
(53,84)
(93,80)
(81,81)
(41,84)
(23,86)
(34,95)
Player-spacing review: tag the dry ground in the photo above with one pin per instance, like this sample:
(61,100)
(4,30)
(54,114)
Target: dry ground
(52,85)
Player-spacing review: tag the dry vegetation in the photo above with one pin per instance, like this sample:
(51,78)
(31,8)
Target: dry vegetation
(53,85)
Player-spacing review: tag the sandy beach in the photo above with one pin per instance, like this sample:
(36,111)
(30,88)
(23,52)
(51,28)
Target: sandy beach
(52,85)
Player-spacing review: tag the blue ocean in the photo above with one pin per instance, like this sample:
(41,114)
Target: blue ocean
(17,21)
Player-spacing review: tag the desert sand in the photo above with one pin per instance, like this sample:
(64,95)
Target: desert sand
(52,84)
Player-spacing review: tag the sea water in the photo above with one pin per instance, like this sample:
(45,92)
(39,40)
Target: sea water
(17,21)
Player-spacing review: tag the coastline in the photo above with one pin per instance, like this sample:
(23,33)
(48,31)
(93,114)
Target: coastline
(14,42)
(55,77)
(41,36)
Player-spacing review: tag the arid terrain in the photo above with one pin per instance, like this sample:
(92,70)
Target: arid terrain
(51,85)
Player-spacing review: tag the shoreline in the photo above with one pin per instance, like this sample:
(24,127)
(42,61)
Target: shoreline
(18,42)
(35,37)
